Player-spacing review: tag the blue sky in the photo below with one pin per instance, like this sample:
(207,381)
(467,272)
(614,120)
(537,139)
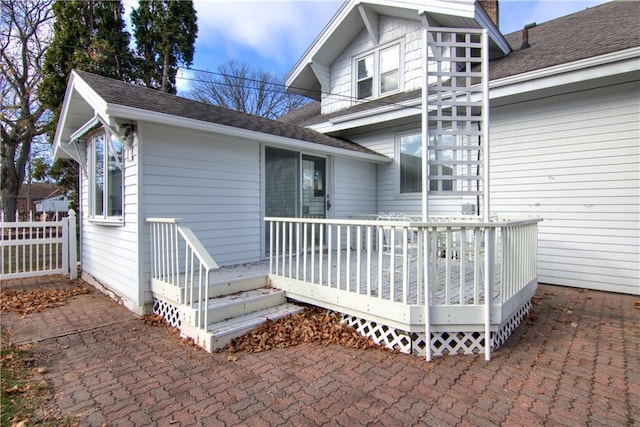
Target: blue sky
(274,34)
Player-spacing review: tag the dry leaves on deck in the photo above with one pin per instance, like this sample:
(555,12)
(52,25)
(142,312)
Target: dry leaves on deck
(313,325)
(25,302)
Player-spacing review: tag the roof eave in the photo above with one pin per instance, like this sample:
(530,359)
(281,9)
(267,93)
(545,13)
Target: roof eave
(131,113)
(63,145)
(601,66)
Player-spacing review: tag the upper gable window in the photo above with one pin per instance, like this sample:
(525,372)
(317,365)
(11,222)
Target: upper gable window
(377,72)
(365,77)
(389,69)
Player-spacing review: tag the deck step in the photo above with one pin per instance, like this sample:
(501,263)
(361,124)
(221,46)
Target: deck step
(222,333)
(175,295)
(237,304)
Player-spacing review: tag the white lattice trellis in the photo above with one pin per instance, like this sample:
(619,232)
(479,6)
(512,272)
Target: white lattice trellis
(169,312)
(442,343)
(499,337)
(391,338)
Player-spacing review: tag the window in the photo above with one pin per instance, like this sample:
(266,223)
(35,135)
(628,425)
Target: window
(411,163)
(378,73)
(106,179)
(389,69)
(410,149)
(365,77)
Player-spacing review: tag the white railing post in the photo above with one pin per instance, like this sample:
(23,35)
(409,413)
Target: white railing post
(427,297)
(488,279)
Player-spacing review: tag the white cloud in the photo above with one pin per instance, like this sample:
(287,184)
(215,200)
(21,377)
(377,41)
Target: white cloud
(274,30)
(183,81)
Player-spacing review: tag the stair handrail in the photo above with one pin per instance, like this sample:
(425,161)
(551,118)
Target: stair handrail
(165,247)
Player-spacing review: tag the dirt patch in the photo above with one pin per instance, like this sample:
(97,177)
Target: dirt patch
(26,394)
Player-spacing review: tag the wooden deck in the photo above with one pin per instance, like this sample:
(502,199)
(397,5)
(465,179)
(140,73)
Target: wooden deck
(374,274)
(451,278)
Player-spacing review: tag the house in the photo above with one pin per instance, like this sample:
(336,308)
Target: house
(565,131)
(172,189)
(59,203)
(30,195)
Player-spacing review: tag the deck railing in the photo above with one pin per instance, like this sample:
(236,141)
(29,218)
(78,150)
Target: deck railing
(180,259)
(386,259)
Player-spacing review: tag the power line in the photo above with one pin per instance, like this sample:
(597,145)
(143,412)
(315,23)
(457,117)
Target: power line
(336,95)
(283,87)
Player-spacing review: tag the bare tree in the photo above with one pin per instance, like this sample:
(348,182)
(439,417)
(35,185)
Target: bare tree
(240,87)
(25,29)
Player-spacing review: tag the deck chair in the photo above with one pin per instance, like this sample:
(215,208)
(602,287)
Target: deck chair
(393,240)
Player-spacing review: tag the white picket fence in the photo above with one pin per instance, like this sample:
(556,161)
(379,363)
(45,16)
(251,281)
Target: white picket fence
(38,248)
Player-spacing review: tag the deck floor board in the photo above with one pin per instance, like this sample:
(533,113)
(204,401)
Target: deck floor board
(369,276)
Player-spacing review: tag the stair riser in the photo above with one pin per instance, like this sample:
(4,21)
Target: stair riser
(218,342)
(212,342)
(246,307)
(239,308)
(226,288)
(237,286)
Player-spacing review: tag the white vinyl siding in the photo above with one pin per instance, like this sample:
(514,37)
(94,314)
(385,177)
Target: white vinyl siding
(574,160)
(210,182)
(354,189)
(404,31)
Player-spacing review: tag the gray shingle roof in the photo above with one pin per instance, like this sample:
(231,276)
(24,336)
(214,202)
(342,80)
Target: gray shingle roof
(596,31)
(609,27)
(131,95)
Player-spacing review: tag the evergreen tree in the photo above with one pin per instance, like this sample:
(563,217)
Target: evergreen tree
(88,35)
(165,32)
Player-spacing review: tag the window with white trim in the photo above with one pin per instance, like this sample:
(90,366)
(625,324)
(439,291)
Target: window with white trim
(106,177)
(410,163)
(378,73)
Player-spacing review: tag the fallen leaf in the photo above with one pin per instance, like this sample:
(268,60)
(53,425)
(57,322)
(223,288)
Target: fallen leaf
(313,325)
(25,302)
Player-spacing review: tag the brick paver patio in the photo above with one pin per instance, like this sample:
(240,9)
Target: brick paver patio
(574,361)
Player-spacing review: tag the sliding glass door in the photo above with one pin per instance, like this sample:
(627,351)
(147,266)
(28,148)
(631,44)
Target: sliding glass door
(295,186)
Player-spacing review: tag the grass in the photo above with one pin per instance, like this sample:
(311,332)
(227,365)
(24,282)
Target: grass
(39,257)
(25,393)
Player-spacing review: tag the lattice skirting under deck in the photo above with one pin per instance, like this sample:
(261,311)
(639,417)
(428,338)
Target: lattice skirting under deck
(442,343)
(170,313)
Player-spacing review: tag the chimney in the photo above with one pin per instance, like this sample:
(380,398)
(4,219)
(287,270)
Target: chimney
(525,35)
(491,7)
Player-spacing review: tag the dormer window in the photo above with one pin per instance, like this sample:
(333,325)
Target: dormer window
(389,69)
(377,73)
(365,77)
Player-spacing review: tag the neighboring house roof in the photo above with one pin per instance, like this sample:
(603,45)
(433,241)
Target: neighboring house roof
(39,191)
(600,30)
(116,94)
